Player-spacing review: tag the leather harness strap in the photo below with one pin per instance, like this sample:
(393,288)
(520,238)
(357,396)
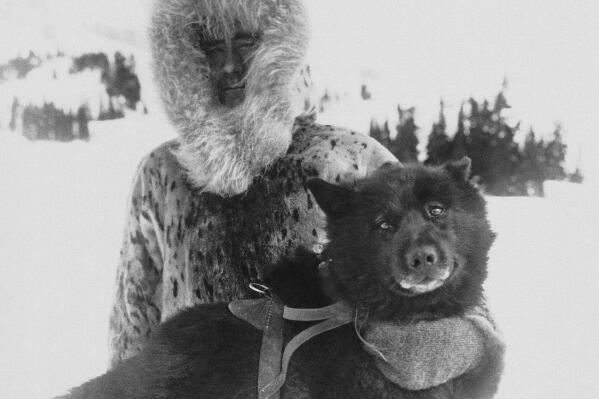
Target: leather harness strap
(327,312)
(268,314)
(271,391)
(270,350)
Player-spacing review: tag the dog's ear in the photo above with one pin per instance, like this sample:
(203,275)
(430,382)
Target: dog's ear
(460,170)
(333,199)
(386,167)
(390,165)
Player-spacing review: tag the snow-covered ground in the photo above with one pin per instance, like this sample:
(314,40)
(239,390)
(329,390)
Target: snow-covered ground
(62,205)
(543,288)
(62,208)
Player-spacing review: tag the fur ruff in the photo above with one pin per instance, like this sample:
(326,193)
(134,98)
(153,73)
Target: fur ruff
(223,148)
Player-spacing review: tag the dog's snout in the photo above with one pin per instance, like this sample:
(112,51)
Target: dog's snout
(425,256)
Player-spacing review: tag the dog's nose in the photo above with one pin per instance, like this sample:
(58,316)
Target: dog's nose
(422,257)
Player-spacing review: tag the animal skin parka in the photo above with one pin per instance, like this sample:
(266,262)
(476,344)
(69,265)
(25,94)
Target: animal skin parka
(212,209)
(185,246)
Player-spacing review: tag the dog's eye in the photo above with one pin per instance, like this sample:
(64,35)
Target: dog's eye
(383,225)
(435,209)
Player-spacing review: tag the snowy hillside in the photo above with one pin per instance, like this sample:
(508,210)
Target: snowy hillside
(55,81)
(52,82)
(62,209)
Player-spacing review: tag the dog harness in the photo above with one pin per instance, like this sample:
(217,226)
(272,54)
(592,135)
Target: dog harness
(414,356)
(269,314)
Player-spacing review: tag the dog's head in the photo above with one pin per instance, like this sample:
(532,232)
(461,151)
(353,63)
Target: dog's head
(407,240)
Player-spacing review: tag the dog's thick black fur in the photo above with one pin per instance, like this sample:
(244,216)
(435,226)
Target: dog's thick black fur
(394,238)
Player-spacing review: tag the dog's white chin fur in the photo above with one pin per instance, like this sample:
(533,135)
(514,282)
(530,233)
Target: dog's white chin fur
(421,288)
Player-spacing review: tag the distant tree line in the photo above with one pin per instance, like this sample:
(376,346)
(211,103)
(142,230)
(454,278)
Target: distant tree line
(499,165)
(47,122)
(404,144)
(19,67)
(50,123)
(91,61)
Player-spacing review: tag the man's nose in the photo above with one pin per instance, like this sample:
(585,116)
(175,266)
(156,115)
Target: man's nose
(233,62)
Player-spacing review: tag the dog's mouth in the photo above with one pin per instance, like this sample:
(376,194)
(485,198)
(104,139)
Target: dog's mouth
(426,285)
(407,287)
(420,283)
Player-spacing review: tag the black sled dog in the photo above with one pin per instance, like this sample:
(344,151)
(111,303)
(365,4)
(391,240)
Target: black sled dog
(406,245)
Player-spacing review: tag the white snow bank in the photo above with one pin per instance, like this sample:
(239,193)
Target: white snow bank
(62,208)
(542,288)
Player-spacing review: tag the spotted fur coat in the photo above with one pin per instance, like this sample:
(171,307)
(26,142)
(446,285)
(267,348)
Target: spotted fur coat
(183,246)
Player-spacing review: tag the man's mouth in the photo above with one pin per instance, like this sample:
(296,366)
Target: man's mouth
(233,95)
(234,88)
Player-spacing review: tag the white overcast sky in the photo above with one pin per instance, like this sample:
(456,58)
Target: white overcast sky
(421,50)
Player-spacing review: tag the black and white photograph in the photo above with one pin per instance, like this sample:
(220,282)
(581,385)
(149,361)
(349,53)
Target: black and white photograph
(326,199)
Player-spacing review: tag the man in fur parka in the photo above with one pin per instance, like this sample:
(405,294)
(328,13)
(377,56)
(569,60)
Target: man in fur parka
(212,209)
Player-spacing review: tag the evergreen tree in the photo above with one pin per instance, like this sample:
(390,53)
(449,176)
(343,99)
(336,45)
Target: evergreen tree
(459,144)
(101,110)
(22,66)
(42,123)
(555,155)
(325,99)
(14,110)
(490,144)
(82,123)
(530,170)
(28,126)
(365,93)
(380,133)
(405,145)
(576,177)
(112,112)
(477,139)
(438,148)
(91,61)
(500,101)
(125,82)
(64,128)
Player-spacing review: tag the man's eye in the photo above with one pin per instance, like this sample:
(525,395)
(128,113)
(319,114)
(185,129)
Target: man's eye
(212,49)
(435,209)
(247,43)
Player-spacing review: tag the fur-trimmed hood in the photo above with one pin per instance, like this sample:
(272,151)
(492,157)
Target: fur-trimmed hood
(223,148)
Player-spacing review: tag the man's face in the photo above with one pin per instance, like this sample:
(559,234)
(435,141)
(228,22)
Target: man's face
(229,61)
